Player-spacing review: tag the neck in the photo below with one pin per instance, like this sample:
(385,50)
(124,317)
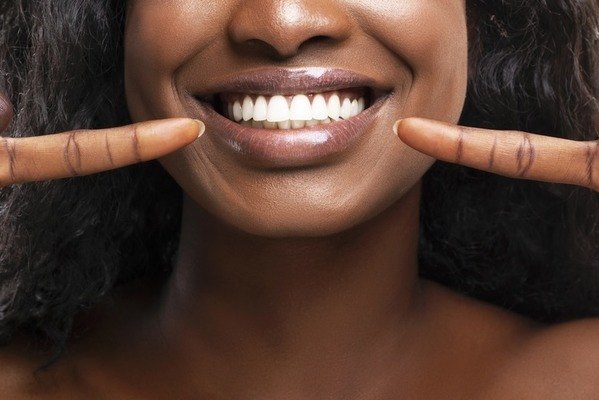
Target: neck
(292,301)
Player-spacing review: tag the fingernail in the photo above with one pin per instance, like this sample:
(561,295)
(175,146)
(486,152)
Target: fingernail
(174,126)
(201,126)
(396,126)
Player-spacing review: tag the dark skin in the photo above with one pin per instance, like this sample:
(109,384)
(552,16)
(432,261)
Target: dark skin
(321,297)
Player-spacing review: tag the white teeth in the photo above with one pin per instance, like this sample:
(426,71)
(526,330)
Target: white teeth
(278,109)
(279,113)
(355,108)
(301,109)
(247,108)
(237,114)
(345,109)
(334,107)
(319,108)
(260,109)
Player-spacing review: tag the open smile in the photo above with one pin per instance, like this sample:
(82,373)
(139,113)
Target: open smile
(283,117)
(292,111)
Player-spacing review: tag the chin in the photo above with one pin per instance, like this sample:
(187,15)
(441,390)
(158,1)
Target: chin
(300,219)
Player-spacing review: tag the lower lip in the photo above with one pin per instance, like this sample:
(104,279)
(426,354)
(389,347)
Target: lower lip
(287,148)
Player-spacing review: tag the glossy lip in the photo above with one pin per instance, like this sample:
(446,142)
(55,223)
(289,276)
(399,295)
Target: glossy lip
(292,81)
(274,148)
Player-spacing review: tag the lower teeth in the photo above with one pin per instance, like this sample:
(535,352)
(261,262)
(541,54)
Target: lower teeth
(286,124)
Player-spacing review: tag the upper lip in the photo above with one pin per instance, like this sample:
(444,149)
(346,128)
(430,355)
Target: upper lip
(283,81)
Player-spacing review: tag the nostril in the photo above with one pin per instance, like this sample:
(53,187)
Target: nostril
(318,38)
(281,28)
(257,44)
(260,46)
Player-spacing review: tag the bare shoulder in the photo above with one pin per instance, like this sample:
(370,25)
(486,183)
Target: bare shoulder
(522,359)
(81,371)
(556,362)
(20,377)
(17,376)
(571,348)
(576,339)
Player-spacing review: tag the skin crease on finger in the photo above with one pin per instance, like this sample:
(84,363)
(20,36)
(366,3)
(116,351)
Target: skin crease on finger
(302,283)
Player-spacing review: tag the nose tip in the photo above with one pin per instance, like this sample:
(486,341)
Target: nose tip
(283,26)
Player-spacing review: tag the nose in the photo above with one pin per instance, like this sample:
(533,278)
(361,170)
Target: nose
(283,26)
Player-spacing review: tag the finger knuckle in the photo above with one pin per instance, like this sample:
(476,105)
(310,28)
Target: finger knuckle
(493,152)
(135,143)
(459,152)
(525,155)
(72,154)
(592,167)
(107,149)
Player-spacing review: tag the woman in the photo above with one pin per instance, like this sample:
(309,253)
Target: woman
(279,255)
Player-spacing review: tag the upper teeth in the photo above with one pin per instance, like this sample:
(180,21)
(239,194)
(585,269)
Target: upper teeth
(297,111)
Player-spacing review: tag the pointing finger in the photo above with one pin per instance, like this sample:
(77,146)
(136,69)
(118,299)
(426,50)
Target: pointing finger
(510,153)
(85,152)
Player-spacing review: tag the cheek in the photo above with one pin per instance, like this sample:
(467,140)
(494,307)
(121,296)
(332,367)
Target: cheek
(160,36)
(431,38)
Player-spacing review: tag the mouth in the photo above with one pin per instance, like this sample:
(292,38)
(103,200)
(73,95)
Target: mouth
(290,117)
(291,111)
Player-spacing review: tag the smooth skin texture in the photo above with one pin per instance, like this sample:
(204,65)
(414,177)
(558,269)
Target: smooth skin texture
(509,153)
(302,283)
(87,152)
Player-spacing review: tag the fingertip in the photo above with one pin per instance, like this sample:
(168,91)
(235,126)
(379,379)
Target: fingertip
(411,125)
(194,127)
(187,128)
(201,127)
(396,126)
(404,126)
(415,132)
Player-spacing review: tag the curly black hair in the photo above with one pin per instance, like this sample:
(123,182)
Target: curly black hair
(527,246)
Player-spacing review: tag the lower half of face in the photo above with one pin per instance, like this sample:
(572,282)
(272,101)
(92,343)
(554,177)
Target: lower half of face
(299,100)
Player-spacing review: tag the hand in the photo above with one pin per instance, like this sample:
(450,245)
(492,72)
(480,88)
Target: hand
(508,153)
(85,152)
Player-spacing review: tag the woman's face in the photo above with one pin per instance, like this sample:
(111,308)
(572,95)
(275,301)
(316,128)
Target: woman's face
(407,58)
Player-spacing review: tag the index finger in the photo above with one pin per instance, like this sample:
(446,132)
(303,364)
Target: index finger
(509,153)
(85,152)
